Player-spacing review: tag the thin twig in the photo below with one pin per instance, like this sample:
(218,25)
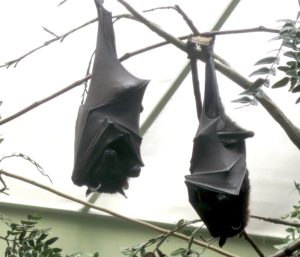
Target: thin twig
(187,19)
(61,38)
(253,244)
(4,187)
(181,12)
(27,158)
(117,215)
(277,221)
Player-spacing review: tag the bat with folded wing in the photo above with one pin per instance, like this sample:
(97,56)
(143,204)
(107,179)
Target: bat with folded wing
(107,137)
(218,186)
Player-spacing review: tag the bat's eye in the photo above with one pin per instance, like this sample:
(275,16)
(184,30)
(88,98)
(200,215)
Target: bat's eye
(236,227)
(222,197)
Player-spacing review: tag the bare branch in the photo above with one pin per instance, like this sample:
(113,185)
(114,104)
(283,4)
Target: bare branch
(252,243)
(4,187)
(117,215)
(277,221)
(38,103)
(181,12)
(61,38)
(61,3)
(288,251)
(239,31)
(27,158)
(187,19)
(50,32)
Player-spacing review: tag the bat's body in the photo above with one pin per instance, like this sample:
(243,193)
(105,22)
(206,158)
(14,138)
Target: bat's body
(107,138)
(219,186)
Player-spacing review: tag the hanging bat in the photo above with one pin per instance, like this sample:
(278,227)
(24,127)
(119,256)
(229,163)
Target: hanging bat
(107,137)
(218,186)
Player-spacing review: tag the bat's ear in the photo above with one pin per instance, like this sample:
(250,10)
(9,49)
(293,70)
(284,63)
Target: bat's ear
(234,136)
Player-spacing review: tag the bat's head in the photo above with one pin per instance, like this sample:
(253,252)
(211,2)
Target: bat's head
(223,214)
(115,166)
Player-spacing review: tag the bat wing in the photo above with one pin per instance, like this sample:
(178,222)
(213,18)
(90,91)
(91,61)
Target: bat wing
(219,157)
(107,138)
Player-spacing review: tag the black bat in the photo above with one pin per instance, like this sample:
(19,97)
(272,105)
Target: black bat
(218,186)
(107,137)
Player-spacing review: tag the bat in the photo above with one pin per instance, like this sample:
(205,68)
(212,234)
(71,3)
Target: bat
(218,186)
(107,137)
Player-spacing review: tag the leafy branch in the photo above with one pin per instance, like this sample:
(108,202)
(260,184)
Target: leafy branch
(289,48)
(117,215)
(27,240)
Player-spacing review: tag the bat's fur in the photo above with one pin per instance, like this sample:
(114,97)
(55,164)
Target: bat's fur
(224,215)
(116,165)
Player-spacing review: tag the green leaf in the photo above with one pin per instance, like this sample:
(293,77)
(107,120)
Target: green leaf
(292,73)
(290,230)
(42,237)
(283,68)
(181,222)
(33,217)
(28,223)
(266,60)
(243,100)
(261,71)
(51,240)
(296,89)
(179,251)
(292,64)
(298,100)
(290,54)
(289,44)
(281,83)
(96,254)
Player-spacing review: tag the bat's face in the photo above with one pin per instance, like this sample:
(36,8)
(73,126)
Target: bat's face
(224,215)
(115,166)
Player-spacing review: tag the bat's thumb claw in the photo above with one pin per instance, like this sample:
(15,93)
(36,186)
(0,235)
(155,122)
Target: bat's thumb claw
(222,241)
(121,191)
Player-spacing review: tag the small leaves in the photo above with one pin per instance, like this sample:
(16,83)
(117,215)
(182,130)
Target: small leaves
(267,60)
(261,71)
(281,83)
(296,89)
(243,100)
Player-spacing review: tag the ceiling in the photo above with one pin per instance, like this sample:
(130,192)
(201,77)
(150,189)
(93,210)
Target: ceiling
(46,134)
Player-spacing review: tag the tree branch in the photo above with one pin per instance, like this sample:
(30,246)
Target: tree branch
(38,103)
(117,215)
(288,251)
(277,221)
(252,243)
(291,130)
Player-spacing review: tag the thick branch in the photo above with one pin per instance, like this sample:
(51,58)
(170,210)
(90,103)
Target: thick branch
(117,215)
(288,251)
(291,130)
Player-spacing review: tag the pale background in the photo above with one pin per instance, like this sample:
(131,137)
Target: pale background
(47,133)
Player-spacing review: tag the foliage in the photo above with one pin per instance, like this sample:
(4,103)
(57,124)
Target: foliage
(290,51)
(27,240)
(293,232)
(143,249)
